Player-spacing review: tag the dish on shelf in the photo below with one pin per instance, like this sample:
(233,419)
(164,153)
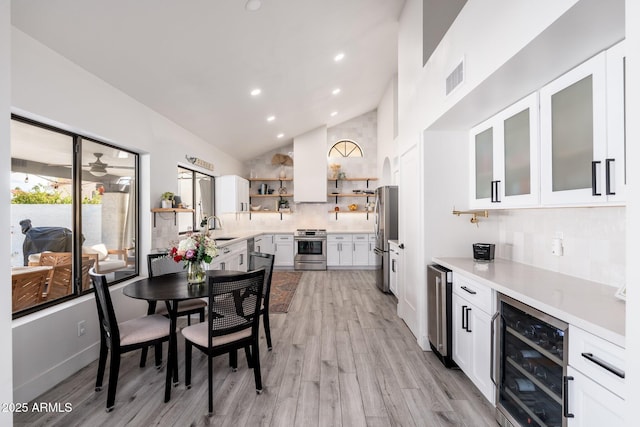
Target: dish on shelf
(353,207)
(256,208)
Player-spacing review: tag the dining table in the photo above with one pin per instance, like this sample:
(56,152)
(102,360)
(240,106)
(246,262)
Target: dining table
(172,288)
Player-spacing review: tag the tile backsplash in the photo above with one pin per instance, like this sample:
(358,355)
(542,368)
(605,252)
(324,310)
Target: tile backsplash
(593,241)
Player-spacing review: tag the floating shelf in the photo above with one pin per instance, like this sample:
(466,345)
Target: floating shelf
(349,212)
(271,195)
(175,211)
(367,179)
(336,195)
(269,212)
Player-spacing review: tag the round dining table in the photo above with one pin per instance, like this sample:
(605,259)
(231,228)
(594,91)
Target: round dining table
(172,288)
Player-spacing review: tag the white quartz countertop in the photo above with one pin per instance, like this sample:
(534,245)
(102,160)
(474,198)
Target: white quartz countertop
(588,305)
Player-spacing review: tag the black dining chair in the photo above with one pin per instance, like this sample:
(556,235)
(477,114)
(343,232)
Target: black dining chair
(258,260)
(159,264)
(233,325)
(123,337)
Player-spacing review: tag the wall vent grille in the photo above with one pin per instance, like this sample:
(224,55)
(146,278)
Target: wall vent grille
(456,78)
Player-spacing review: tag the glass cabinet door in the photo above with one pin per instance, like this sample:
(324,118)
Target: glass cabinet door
(484,164)
(573,139)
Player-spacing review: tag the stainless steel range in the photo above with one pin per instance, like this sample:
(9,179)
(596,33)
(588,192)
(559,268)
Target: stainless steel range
(310,249)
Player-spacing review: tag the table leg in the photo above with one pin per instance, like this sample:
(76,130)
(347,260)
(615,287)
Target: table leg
(172,357)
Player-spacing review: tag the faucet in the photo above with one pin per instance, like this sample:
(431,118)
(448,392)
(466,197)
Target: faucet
(210,218)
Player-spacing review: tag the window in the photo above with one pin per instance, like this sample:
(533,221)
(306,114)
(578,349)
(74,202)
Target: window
(345,148)
(74,205)
(196,191)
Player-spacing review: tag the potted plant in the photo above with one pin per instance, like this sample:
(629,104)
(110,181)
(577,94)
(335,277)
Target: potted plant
(167,199)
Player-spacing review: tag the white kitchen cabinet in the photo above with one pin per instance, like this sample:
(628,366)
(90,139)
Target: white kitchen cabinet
(596,380)
(360,250)
(264,244)
(339,250)
(231,257)
(374,260)
(471,336)
(582,133)
(232,194)
(504,158)
(283,250)
(591,404)
(394,267)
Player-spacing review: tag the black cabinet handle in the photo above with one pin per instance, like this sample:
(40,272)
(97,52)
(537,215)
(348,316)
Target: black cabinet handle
(464,311)
(495,191)
(468,310)
(594,178)
(607,165)
(471,291)
(401,246)
(615,371)
(565,396)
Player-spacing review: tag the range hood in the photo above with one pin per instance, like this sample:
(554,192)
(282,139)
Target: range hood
(310,166)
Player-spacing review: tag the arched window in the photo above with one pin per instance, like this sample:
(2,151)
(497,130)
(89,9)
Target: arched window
(345,148)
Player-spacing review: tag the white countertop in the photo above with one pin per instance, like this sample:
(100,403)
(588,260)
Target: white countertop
(588,305)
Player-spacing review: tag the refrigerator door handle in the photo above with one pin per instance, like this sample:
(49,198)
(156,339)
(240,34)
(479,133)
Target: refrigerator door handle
(439,313)
(492,374)
(378,251)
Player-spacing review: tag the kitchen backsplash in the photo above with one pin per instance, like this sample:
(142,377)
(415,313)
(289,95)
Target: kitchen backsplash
(593,241)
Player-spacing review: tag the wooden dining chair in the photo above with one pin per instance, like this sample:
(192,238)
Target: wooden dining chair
(233,325)
(27,289)
(158,265)
(258,260)
(123,337)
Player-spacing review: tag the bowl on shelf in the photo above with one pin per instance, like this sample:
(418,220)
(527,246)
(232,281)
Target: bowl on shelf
(353,207)
(256,208)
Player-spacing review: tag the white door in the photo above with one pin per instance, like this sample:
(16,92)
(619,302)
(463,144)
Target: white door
(360,249)
(461,345)
(480,326)
(410,230)
(591,404)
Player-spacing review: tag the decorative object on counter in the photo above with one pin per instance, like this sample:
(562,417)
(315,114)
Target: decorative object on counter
(484,251)
(335,170)
(195,250)
(167,200)
(282,160)
(353,207)
(475,219)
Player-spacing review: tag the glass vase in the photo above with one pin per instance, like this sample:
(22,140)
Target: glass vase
(196,273)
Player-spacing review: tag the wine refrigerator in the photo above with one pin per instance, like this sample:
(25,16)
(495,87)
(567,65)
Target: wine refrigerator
(529,366)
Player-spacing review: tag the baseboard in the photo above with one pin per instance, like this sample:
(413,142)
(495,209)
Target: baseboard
(47,380)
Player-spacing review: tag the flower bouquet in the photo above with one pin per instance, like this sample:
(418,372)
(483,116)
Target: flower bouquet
(195,250)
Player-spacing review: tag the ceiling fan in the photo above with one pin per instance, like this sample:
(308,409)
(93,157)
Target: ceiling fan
(99,168)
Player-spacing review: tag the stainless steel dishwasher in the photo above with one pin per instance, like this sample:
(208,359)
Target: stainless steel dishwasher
(439,296)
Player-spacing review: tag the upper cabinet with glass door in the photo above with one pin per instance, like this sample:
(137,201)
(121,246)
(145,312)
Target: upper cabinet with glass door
(504,158)
(582,133)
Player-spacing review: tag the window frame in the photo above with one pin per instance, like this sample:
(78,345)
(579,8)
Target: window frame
(76,221)
(348,156)
(195,226)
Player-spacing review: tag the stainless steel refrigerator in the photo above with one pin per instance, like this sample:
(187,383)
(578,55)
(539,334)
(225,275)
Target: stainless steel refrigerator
(386,228)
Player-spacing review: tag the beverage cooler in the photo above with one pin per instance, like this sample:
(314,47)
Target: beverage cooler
(530,366)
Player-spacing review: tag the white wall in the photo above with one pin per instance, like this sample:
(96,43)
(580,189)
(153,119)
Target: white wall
(48,87)
(387,126)
(6,380)
(633,211)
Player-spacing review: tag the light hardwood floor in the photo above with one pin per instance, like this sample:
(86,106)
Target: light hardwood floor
(341,357)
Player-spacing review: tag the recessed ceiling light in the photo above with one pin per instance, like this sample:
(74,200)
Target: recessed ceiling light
(255,92)
(335,113)
(339,57)
(253,5)
(271,118)
(336,91)
(280,135)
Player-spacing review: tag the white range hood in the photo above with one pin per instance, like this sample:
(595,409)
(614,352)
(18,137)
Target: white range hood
(310,166)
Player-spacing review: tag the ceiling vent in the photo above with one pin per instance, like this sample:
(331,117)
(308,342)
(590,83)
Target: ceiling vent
(456,78)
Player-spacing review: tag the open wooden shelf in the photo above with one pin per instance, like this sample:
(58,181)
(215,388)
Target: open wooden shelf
(270,179)
(175,212)
(271,195)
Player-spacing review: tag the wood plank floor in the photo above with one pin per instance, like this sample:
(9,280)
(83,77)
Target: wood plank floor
(341,357)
